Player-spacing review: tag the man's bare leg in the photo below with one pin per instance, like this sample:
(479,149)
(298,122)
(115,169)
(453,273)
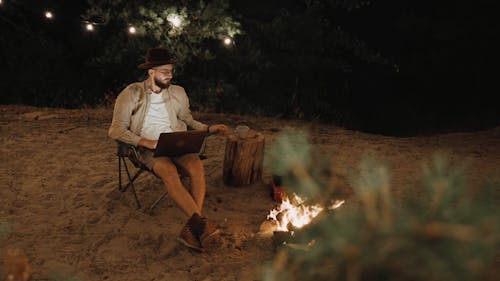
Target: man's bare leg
(192,165)
(167,171)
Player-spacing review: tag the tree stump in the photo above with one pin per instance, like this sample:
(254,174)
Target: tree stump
(243,159)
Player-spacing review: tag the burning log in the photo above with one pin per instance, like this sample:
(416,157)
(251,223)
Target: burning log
(267,228)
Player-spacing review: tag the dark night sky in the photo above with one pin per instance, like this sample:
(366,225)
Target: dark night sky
(445,50)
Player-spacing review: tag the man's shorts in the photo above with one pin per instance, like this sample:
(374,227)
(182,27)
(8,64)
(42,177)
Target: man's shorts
(146,157)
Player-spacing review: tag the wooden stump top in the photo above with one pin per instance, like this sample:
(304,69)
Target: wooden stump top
(251,137)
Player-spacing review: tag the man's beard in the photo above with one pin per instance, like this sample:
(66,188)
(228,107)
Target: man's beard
(161,84)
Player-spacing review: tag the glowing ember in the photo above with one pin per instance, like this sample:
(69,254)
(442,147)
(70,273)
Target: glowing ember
(336,204)
(295,213)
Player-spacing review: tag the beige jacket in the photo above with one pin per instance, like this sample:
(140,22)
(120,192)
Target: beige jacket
(132,104)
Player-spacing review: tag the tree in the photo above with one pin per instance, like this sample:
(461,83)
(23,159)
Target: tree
(297,57)
(184,27)
(187,28)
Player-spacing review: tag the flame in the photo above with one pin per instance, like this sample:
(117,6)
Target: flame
(294,212)
(336,204)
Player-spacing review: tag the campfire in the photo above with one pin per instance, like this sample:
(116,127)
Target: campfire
(293,214)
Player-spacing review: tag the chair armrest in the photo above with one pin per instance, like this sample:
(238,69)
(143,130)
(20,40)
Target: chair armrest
(130,151)
(123,149)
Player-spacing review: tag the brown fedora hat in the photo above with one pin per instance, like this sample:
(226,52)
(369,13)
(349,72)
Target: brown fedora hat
(156,57)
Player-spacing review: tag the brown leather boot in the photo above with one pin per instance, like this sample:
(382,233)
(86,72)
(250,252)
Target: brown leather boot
(189,236)
(210,239)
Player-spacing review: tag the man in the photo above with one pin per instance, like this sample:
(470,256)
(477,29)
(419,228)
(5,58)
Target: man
(145,109)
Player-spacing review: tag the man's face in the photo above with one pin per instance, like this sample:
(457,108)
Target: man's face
(162,75)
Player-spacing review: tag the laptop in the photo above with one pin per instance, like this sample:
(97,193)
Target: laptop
(179,143)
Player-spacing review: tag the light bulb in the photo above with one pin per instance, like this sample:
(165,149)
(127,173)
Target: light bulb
(227,41)
(132,30)
(49,15)
(89,27)
(175,20)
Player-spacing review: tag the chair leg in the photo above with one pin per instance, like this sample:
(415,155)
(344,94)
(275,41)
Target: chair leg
(137,203)
(158,200)
(120,173)
(122,187)
(130,180)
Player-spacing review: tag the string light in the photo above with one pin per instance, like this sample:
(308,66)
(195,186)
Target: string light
(175,20)
(49,15)
(89,27)
(227,41)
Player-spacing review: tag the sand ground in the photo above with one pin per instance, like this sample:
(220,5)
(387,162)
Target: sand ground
(58,192)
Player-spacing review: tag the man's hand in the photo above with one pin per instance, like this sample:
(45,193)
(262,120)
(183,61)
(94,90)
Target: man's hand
(151,144)
(219,129)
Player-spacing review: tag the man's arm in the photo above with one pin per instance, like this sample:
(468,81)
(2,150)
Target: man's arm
(151,144)
(119,129)
(186,116)
(220,129)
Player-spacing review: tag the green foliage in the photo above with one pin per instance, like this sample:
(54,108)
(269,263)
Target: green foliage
(450,233)
(289,157)
(198,21)
(292,149)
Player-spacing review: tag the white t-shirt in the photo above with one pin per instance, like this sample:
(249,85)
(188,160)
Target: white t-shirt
(156,120)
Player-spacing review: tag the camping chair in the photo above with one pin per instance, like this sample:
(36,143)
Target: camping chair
(127,151)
